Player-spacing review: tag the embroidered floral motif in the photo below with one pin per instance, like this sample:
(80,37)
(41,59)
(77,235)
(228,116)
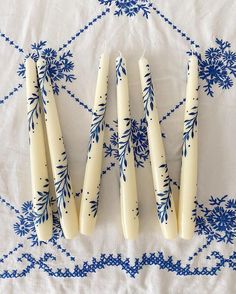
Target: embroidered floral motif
(217,222)
(59,66)
(218,67)
(25,226)
(129,7)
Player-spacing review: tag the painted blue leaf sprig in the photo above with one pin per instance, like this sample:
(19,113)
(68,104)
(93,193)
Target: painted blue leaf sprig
(148,94)
(125,148)
(190,124)
(120,69)
(42,205)
(95,203)
(34,112)
(139,140)
(42,78)
(164,203)
(62,185)
(97,124)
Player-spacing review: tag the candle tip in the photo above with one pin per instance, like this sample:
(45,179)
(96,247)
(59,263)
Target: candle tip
(144,52)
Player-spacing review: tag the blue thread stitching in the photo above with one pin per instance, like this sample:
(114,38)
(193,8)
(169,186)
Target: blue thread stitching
(171,111)
(11,93)
(63,250)
(5,256)
(155,258)
(99,16)
(12,43)
(9,205)
(81,103)
(174,27)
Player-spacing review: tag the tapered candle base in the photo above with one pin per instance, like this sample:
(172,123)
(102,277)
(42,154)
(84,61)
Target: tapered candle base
(45,232)
(86,228)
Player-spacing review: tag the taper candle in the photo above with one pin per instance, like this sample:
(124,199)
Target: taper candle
(91,188)
(38,161)
(64,193)
(188,181)
(128,187)
(161,180)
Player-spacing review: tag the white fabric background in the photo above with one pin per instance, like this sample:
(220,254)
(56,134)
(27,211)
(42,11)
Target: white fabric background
(55,22)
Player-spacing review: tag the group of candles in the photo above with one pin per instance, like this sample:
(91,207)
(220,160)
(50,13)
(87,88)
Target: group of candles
(83,219)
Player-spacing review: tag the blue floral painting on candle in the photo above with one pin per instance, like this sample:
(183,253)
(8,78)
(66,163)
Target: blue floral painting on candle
(139,141)
(59,66)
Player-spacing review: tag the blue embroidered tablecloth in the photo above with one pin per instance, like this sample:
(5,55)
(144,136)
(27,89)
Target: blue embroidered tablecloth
(71,35)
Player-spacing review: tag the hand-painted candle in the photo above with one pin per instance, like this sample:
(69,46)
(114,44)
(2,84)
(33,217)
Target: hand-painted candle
(188,182)
(64,194)
(128,187)
(161,180)
(38,162)
(91,187)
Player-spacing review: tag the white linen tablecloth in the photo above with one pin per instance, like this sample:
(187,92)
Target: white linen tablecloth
(73,34)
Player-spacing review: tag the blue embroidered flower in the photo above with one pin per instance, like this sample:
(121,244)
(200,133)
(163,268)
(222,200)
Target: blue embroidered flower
(25,226)
(129,7)
(213,53)
(59,66)
(27,207)
(219,221)
(218,67)
(21,228)
(49,53)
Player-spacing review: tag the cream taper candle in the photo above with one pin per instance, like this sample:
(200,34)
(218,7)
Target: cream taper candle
(128,187)
(161,180)
(188,181)
(91,187)
(38,162)
(64,193)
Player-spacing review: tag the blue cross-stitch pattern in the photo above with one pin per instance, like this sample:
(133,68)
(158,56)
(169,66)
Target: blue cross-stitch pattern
(215,222)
